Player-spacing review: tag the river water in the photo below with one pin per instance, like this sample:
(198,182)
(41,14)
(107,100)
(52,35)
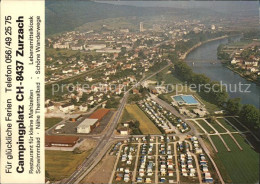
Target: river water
(204,60)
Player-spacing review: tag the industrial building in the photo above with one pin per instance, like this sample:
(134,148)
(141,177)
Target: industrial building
(87,125)
(99,114)
(60,141)
(75,117)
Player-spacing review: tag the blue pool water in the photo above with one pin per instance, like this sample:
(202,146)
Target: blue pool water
(188,99)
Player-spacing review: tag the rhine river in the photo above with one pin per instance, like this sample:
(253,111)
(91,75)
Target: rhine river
(204,60)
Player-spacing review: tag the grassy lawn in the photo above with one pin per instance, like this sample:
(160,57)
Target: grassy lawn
(226,124)
(205,126)
(217,127)
(170,79)
(167,77)
(50,122)
(61,164)
(242,166)
(185,90)
(230,142)
(218,143)
(146,125)
(126,117)
(236,124)
(197,127)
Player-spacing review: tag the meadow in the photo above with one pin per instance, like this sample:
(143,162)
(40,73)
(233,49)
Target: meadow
(241,166)
(146,125)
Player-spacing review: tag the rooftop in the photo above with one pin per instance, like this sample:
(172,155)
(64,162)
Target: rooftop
(61,139)
(99,114)
(87,122)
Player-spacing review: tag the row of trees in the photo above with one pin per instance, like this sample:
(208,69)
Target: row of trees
(248,114)
(210,90)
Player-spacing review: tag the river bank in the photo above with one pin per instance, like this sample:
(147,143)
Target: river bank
(200,60)
(183,57)
(242,75)
(202,43)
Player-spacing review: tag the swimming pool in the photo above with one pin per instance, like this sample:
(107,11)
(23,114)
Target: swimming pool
(185,99)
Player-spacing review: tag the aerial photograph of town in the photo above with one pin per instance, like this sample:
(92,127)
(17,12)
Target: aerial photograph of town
(152,92)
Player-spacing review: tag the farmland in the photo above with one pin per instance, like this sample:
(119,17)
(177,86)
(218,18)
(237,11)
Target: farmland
(146,125)
(61,164)
(50,122)
(241,166)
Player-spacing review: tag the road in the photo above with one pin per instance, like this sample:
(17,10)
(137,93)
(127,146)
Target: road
(106,140)
(101,148)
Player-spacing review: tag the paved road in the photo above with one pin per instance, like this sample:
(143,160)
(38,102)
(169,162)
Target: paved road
(136,162)
(78,175)
(106,140)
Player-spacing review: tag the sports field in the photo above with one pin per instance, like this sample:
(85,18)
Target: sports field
(146,125)
(241,166)
(205,126)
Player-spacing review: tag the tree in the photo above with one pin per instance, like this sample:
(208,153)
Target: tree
(141,54)
(249,115)
(77,151)
(84,97)
(234,106)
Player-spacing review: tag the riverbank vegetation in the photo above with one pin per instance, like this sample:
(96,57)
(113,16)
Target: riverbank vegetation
(249,114)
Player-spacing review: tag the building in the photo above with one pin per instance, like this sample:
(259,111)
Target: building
(95,46)
(60,141)
(123,131)
(99,114)
(87,125)
(83,108)
(75,117)
(66,107)
(141,27)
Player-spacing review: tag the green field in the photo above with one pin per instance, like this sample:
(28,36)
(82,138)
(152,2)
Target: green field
(218,142)
(236,124)
(126,117)
(146,125)
(205,126)
(230,142)
(217,126)
(61,164)
(197,127)
(50,122)
(241,166)
(226,125)
(171,79)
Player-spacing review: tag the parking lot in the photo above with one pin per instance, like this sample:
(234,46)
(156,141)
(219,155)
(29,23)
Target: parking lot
(70,127)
